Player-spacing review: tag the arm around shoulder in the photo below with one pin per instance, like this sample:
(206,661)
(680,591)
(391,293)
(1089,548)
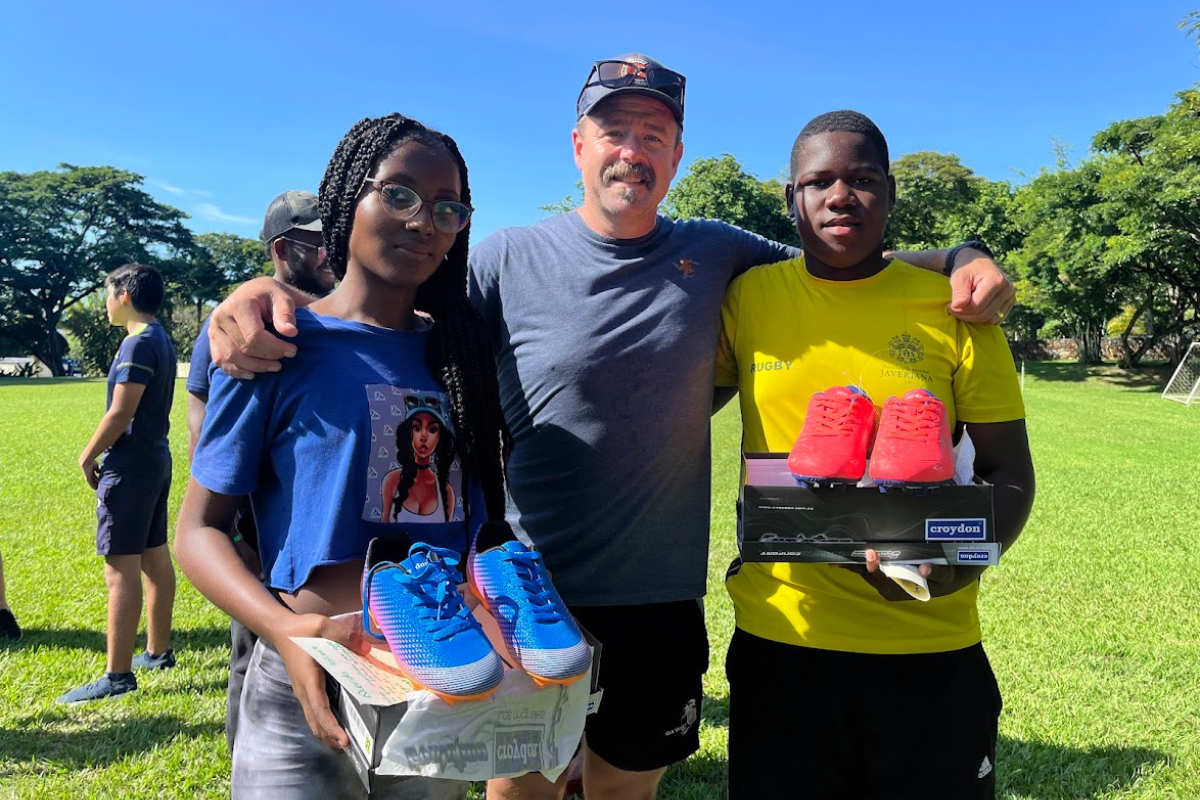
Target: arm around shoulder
(981,292)
(237,332)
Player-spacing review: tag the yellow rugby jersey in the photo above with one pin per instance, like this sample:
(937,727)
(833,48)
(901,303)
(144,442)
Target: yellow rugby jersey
(786,335)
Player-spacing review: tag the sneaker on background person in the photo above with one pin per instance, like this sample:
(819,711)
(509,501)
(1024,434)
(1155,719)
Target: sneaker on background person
(9,629)
(147,660)
(111,684)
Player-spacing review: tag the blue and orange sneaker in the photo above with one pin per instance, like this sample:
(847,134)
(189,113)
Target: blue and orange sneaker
(511,581)
(833,443)
(438,644)
(914,447)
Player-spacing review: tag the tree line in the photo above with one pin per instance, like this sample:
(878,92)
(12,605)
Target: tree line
(63,230)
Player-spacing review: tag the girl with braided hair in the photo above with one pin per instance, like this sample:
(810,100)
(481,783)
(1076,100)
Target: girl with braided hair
(310,442)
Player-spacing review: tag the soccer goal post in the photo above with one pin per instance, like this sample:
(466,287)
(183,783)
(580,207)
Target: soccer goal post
(1184,386)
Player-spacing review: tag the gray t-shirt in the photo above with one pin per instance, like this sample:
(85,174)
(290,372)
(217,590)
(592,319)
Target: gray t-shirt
(606,352)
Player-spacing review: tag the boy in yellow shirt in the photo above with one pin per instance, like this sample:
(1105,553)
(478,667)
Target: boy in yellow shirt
(841,685)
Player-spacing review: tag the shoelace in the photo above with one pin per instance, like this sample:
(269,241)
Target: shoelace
(832,418)
(434,587)
(915,421)
(539,595)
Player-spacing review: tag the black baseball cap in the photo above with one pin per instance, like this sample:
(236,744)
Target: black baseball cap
(632,73)
(290,210)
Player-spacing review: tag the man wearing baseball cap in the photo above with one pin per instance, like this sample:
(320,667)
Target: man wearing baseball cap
(610,471)
(292,235)
(605,323)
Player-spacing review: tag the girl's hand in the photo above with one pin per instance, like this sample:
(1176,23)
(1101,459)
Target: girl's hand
(308,677)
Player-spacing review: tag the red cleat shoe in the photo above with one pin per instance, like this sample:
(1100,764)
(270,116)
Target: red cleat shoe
(832,447)
(913,447)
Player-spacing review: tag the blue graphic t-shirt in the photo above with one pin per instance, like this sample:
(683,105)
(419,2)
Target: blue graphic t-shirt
(352,440)
(144,357)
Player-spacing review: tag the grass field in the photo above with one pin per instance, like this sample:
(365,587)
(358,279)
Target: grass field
(1090,622)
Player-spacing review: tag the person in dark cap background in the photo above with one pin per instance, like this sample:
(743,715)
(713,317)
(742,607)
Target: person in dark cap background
(292,236)
(605,323)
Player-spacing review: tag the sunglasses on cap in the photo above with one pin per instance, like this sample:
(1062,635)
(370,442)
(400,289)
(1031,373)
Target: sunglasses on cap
(413,402)
(619,74)
(449,216)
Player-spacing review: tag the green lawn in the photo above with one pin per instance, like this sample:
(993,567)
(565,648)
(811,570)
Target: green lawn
(1091,621)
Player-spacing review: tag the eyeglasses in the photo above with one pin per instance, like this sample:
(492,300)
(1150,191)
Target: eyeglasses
(449,216)
(319,248)
(618,74)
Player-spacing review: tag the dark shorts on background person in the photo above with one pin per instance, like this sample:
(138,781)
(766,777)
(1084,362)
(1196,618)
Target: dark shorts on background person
(825,724)
(131,511)
(652,666)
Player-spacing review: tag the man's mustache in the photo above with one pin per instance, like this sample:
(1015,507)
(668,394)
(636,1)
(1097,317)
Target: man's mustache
(625,171)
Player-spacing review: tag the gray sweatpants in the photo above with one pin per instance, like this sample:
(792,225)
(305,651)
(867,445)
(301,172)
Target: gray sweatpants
(277,757)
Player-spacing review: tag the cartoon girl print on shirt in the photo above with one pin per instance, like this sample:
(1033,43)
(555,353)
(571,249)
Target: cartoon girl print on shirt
(422,479)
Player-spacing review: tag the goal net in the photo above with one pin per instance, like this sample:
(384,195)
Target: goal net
(1184,386)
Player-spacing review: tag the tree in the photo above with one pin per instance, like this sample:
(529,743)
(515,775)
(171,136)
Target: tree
(218,261)
(931,189)
(1190,25)
(61,232)
(1150,195)
(568,203)
(96,339)
(940,201)
(1063,253)
(720,188)
(991,217)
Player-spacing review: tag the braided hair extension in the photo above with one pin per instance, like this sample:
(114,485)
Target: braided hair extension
(458,352)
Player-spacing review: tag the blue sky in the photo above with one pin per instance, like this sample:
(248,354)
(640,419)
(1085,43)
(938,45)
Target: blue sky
(222,105)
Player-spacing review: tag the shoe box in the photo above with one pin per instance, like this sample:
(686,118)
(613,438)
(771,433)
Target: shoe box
(397,732)
(779,520)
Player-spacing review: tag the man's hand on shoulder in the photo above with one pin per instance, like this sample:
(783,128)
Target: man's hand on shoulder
(241,344)
(981,293)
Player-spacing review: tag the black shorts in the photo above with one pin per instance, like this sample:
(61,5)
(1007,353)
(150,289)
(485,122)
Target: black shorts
(652,664)
(131,512)
(824,724)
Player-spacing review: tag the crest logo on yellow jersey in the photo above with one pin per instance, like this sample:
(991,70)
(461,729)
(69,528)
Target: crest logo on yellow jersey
(906,349)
